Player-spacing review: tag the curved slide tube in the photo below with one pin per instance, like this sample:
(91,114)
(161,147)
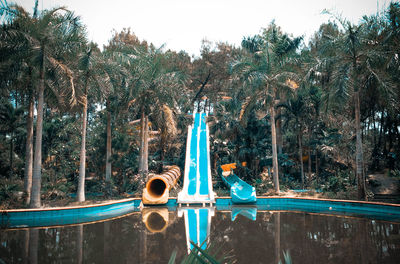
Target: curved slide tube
(157,187)
(241,192)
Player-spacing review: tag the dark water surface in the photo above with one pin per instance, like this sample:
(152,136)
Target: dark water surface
(307,238)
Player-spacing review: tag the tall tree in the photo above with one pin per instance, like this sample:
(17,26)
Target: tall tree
(49,35)
(152,86)
(352,70)
(296,111)
(265,70)
(158,87)
(93,75)
(17,70)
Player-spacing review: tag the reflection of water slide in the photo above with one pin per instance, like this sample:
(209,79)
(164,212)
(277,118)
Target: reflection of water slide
(241,192)
(197,225)
(248,212)
(197,184)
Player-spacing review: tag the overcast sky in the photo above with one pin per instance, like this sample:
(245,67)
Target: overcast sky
(182,24)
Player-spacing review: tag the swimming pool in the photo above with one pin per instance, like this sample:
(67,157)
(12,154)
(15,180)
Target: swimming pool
(307,230)
(306,237)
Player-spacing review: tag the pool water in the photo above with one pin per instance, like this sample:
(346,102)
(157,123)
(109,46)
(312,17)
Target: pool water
(261,238)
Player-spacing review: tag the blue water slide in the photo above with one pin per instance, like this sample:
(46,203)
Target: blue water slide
(203,157)
(192,176)
(241,191)
(197,183)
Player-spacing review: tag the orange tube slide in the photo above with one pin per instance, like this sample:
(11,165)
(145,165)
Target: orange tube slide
(157,187)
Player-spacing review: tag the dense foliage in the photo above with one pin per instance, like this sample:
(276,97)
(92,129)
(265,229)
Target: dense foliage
(327,112)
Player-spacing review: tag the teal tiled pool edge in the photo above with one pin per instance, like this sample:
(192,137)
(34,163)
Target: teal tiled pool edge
(381,211)
(69,215)
(84,214)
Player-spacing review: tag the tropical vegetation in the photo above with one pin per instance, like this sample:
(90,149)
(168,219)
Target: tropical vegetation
(78,119)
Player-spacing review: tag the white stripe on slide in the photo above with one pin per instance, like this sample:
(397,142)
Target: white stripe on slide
(198,158)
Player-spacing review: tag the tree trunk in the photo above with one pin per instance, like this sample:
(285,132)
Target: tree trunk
(141,152)
(375,152)
(301,159)
(37,163)
(316,165)
(11,154)
(29,149)
(279,140)
(309,155)
(359,152)
(141,148)
(108,151)
(82,168)
(274,148)
(162,149)
(146,148)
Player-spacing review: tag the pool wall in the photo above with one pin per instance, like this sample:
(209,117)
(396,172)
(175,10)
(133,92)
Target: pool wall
(67,215)
(90,213)
(381,211)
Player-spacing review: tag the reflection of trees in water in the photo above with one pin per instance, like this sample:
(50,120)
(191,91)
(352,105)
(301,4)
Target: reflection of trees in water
(25,247)
(277,235)
(309,238)
(337,239)
(79,244)
(106,241)
(33,245)
(160,245)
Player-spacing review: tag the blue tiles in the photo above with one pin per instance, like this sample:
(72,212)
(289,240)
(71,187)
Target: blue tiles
(51,217)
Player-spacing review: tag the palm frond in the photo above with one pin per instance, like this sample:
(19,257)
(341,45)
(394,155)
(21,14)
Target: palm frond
(65,73)
(170,122)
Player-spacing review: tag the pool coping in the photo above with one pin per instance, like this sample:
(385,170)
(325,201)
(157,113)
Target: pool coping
(57,208)
(175,198)
(56,216)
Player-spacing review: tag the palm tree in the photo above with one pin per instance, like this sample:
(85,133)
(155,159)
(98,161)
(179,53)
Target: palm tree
(91,65)
(154,87)
(18,71)
(115,64)
(380,90)
(318,70)
(51,34)
(29,148)
(296,111)
(265,70)
(356,53)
